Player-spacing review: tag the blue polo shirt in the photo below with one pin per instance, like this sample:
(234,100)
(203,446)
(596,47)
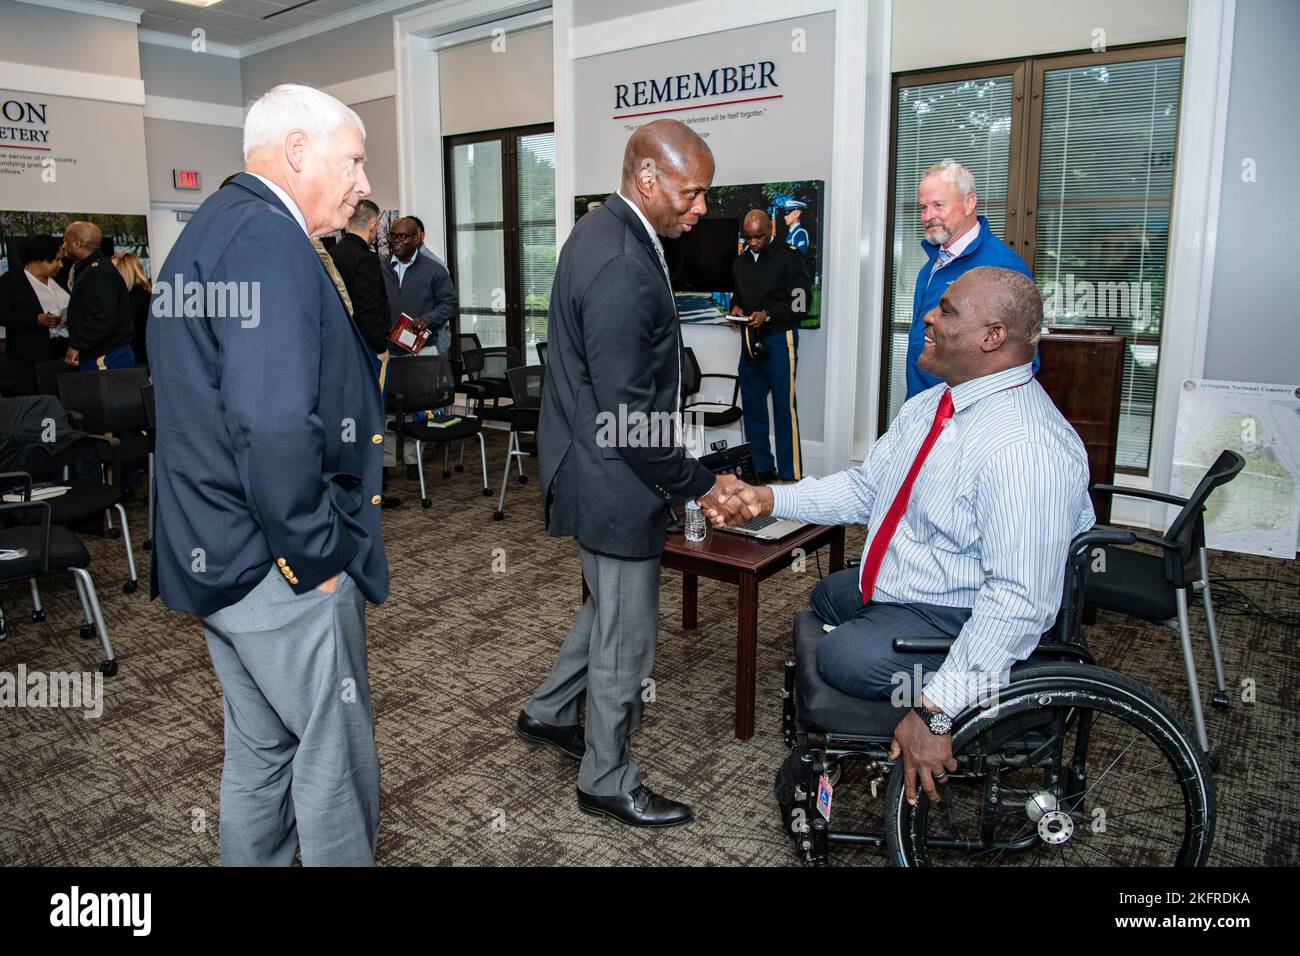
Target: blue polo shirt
(985,249)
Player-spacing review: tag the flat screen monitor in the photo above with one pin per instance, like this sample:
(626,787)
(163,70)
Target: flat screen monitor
(700,261)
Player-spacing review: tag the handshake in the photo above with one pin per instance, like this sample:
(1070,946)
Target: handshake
(731,502)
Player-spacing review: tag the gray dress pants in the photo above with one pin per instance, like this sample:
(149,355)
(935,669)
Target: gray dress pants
(301,766)
(607,655)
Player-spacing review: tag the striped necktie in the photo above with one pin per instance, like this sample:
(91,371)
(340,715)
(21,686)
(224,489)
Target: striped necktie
(332,271)
(880,543)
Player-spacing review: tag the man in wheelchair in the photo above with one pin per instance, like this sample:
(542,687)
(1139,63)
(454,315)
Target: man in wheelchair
(972,499)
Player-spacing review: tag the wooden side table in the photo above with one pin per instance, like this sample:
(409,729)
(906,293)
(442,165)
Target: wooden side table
(743,561)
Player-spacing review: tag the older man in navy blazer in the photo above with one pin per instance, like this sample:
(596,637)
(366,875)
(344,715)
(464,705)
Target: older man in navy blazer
(269,458)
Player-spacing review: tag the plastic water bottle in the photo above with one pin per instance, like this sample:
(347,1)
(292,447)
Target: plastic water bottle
(697,526)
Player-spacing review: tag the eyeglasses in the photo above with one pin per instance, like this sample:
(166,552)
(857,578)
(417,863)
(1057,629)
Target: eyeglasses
(401,235)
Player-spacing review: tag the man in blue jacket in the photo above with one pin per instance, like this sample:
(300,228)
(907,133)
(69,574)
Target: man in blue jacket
(956,241)
(269,457)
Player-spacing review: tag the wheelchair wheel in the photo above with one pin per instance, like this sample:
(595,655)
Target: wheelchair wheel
(1074,765)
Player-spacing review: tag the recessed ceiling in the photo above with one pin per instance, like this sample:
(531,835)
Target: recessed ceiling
(236,22)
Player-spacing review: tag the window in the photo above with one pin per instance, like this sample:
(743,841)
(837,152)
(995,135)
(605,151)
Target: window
(501,226)
(1073,159)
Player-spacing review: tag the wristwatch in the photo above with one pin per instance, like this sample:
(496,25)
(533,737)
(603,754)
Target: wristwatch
(938,722)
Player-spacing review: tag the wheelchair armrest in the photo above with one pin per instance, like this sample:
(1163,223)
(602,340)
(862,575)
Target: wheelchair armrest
(74,418)
(922,645)
(1139,493)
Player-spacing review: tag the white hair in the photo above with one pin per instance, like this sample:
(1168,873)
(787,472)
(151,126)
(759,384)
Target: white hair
(290,106)
(953,173)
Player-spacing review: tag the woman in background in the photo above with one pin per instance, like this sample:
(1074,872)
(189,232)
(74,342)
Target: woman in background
(138,293)
(33,308)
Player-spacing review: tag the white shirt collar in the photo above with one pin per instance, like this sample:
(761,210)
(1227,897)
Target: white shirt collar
(401,266)
(970,392)
(964,240)
(640,215)
(284,198)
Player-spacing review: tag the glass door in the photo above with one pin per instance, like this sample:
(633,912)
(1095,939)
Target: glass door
(501,220)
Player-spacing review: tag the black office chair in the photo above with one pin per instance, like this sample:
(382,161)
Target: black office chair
(29,551)
(1154,587)
(526,406)
(47,375)
(709,414)
(497,361)
(100,403)
(1069,764)
(541,352)
(425,383)
(109,401)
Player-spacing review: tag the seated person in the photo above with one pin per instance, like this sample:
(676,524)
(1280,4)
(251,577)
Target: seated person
(972,545)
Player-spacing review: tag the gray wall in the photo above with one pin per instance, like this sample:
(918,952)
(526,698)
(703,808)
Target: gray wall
(184,75)
(58,38)
(215,151)
(481,89)
(380,117)
(1000,29)
(1254,334)
(587,12)
(362,49)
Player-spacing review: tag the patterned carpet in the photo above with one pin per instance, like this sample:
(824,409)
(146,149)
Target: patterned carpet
(456,651)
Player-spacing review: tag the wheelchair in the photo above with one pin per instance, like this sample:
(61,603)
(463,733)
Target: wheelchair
(1070,764)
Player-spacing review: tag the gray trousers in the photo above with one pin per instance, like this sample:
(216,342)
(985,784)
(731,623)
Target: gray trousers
(607,655)
(301,766)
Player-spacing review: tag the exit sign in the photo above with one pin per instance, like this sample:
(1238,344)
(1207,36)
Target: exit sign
(185,178)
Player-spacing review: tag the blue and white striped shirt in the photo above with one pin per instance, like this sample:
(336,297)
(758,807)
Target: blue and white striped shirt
(987,526)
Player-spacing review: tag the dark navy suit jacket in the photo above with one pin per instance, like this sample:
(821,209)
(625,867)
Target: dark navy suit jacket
(614,351)
(266,426)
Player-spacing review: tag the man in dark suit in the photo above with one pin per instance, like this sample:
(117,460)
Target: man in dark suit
(615,356)
(771,297)
(29,311)
(363,276)
(269,453)
(419,285)
(99,311)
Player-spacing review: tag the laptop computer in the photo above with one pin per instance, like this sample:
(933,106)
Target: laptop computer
(739,461)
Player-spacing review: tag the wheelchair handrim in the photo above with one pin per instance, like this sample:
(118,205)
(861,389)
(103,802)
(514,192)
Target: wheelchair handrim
(1086,687)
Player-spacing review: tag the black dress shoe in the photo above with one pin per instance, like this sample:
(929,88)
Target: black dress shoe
(388,501)
(640,808)
(570,739)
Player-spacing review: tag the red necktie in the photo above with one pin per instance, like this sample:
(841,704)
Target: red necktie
(879,544)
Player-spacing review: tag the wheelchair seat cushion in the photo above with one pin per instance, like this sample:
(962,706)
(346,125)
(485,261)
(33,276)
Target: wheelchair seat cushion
(821,707)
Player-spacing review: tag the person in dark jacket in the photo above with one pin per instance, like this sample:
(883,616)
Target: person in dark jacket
(418,285)
(269,453)
(363,276)
(615,355)
(139,291)
(99,312)
(31,307)
(772,296)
